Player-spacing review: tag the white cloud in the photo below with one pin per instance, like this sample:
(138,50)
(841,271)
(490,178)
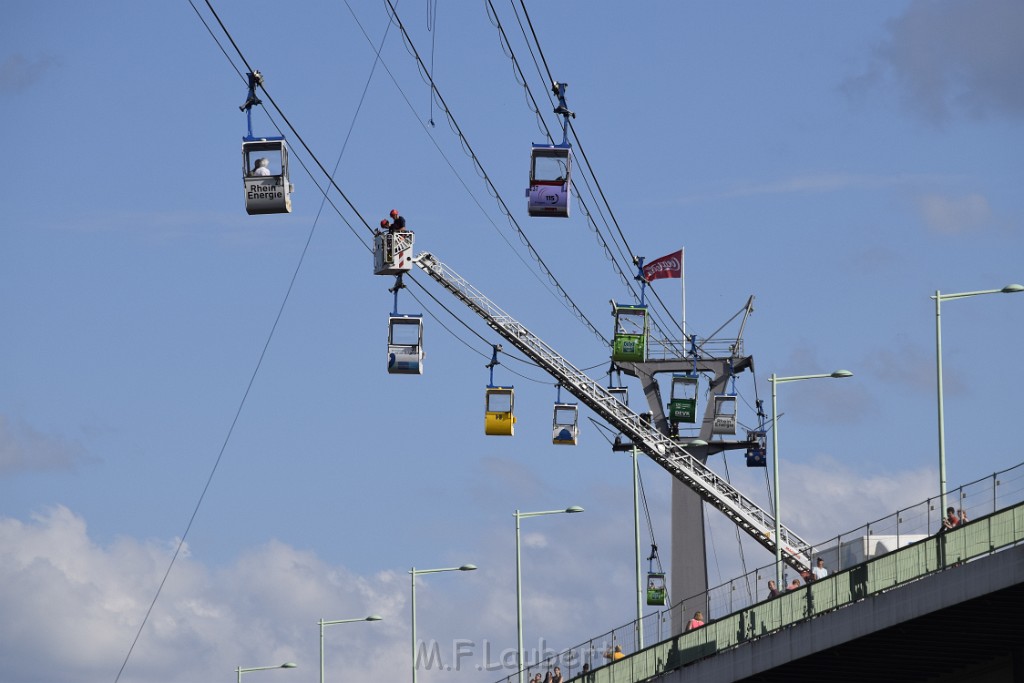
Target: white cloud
(827,497)
(815,183)
(952,215)
(950,56)
(19,73)
(72,608)
(25,449)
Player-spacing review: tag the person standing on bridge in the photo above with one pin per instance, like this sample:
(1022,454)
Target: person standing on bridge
(951,521)
(615,654)
(819,570)
(696,622)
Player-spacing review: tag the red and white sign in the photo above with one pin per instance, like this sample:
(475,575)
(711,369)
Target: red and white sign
(666,266)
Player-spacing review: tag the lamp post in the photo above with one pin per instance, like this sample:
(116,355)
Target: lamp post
(286,665)
(639,566)
(519,578)
(775,380)
(939,298)
(372,617)
(413,573)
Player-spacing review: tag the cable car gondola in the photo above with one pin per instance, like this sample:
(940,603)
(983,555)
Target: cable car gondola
(264,164)
(499,404)
(549,181)
(405,344)
(631,326)
(682,406)
(565,424)
(499,417)
(656,592)
(565,428)
(550,168)
(758,448)
(725,414)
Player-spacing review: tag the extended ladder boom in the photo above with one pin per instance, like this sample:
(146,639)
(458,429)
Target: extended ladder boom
(759,524)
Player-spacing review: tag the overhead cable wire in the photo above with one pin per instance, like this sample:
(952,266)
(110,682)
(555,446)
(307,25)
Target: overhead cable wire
(658,323)
(542,124)
(468,327)
(575,137)
(299,137)
(577,312)
(547,77)
(220,453)
(287,122)
(451,166)
(252,379)
(579,144)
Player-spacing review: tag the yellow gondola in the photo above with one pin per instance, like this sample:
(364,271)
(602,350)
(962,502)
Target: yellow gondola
(499,417)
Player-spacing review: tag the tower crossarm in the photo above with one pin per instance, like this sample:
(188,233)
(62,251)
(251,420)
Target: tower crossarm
(672,456)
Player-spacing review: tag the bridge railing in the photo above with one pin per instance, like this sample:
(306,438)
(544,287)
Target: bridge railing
(903,546)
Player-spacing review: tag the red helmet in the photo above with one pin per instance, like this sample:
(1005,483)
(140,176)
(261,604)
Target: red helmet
(394,213)
(384,223)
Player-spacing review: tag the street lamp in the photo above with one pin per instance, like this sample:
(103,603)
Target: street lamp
(286,665)
(519,578)
(939,298)
(372,617)
(775,460)
(413,572)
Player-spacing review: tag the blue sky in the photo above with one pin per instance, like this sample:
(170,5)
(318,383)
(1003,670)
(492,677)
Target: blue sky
(839,161)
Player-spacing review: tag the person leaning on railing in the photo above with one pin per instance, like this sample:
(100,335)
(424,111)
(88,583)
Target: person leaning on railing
(953,520)
(615,654)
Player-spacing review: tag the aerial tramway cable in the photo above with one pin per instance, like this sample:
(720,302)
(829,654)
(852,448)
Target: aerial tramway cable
(577,312)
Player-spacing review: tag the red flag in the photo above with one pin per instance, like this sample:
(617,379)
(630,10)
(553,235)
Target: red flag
(666,266)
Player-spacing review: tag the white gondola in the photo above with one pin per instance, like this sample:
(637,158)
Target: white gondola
(392,252)
(265,175)
(565,428)
(550,168)
(548,193)
(264,163)
(405,345)
(725,415)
